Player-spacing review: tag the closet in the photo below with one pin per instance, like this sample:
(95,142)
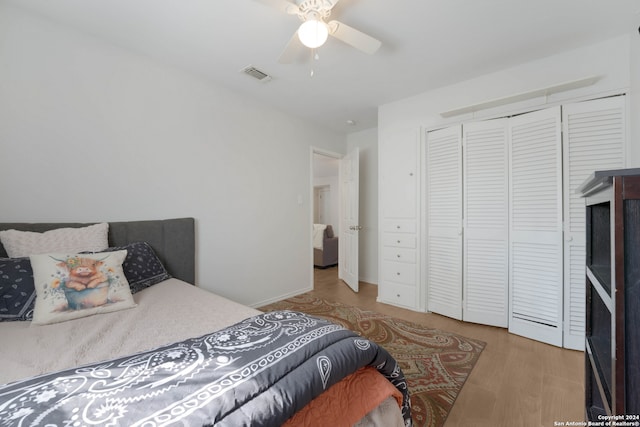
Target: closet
(503,227)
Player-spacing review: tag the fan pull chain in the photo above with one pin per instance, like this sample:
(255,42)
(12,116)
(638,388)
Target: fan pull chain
(316,57)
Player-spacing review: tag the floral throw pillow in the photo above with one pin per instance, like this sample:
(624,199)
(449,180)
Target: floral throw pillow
(71,286)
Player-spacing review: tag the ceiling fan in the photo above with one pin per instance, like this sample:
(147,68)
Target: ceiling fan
(314,30)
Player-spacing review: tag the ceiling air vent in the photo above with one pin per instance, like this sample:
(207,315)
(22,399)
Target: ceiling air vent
(256,74)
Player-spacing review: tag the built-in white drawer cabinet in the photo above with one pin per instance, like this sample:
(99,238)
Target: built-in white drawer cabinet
(399,256)
(399,262)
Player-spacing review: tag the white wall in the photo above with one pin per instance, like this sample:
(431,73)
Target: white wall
(92,132)
(610,60)
(367,141)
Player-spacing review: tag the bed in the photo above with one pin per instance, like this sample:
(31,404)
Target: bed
(173,354)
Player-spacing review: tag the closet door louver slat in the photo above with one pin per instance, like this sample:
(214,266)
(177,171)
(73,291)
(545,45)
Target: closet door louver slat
(594,135)
(444,214)
(486,255)
(535,209)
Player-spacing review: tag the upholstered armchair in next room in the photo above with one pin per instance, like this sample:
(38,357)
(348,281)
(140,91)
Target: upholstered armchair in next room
(325,246)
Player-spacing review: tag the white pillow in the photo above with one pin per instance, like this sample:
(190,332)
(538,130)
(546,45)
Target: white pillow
(93,238)
(71,286)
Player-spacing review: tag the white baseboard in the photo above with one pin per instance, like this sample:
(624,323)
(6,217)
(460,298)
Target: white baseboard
(281,297)
(369,281)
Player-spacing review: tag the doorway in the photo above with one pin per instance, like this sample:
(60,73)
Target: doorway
(326,211)
(335,187)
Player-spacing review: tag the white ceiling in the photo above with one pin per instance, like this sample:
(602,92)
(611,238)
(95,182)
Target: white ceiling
(425,44)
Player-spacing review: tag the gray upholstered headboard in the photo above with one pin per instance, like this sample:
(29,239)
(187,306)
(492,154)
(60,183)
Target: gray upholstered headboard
(173,240)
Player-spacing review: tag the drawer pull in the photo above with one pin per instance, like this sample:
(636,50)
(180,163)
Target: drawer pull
(398,295)
(398,273)
(398,227)
(398,241)
(398,255)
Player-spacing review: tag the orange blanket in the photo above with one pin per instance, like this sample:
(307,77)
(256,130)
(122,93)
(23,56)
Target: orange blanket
(346,402)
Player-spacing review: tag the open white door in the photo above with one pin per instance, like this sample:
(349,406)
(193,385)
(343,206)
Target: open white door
(349,227)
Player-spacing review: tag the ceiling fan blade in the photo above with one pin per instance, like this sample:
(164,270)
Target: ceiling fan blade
(282,5)
(353,37)
(292,50)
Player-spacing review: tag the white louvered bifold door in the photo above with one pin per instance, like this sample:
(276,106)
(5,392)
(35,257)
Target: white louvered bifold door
(486,219)
(444,221)
(594,139)
(535,210)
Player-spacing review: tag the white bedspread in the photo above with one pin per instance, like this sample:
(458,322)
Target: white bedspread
(165,313)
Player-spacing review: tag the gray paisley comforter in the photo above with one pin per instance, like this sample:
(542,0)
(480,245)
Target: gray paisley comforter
(258,372)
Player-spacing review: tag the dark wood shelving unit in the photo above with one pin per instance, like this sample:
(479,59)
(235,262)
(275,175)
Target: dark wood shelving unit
(612,356)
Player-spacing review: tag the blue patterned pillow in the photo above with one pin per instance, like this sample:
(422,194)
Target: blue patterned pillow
(17,291)
(142,267)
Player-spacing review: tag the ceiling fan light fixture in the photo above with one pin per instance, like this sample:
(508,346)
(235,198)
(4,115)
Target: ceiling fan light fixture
(313,33)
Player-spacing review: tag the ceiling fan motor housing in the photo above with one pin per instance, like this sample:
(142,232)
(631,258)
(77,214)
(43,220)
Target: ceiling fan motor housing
(315,9)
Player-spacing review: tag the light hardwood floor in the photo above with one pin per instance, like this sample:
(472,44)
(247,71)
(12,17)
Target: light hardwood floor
(516,382)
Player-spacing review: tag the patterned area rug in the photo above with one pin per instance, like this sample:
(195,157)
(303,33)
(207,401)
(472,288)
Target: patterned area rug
(435,363)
